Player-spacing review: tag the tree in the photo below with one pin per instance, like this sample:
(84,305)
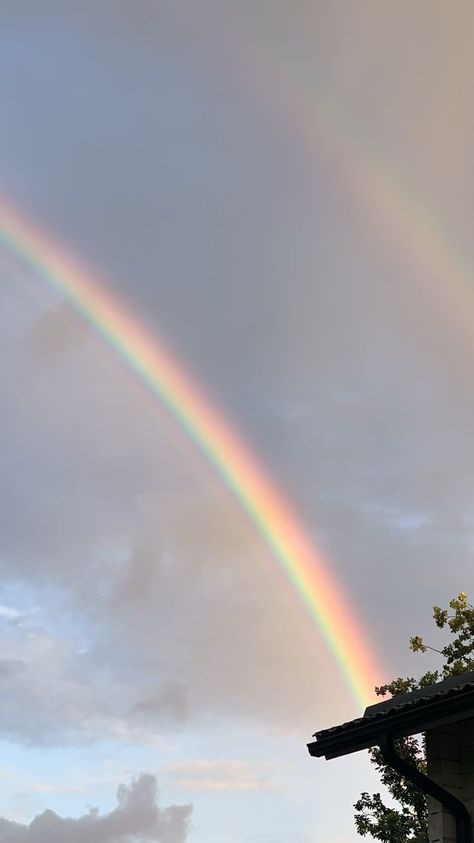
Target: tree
(409,822)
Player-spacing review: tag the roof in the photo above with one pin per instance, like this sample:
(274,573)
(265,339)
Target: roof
(404,714)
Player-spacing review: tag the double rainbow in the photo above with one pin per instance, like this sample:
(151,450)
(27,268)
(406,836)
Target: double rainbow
(166,379)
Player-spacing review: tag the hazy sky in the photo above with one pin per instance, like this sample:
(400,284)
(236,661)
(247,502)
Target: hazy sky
(283,192)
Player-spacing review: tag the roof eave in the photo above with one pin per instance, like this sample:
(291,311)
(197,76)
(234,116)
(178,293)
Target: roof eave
(408,721)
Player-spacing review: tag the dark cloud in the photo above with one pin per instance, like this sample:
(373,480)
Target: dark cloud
(138,816)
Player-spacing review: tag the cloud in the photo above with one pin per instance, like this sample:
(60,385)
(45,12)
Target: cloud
(171,700)
(138,816)
(220,775)
(59,331)
(10,667)
(9,612)
(157,602)
(165,603)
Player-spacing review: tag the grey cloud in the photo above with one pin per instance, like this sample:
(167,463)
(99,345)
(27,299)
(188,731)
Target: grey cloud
(167,582)
(9,667)
(206,607)
(207,207)
(138,816)
(169,701)
(58,332)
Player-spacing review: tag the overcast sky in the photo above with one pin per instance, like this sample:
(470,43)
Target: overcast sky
(282,191)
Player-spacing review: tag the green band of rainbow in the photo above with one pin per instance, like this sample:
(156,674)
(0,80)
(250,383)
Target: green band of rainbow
(231,458)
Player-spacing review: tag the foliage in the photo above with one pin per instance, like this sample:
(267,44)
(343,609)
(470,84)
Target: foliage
(409,822)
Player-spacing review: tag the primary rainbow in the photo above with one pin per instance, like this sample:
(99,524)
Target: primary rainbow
(191,408)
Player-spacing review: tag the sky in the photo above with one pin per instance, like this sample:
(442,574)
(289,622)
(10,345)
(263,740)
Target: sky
(281,192)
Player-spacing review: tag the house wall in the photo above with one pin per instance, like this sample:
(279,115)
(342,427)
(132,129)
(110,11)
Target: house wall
(450,756)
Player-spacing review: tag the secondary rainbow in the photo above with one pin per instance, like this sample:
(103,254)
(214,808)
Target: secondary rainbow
(374,188)
(165,377)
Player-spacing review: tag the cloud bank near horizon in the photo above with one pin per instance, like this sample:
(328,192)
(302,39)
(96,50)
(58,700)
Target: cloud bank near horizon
(138,816)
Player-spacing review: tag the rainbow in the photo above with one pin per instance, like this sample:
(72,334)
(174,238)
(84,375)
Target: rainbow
(167,380)
(373,187)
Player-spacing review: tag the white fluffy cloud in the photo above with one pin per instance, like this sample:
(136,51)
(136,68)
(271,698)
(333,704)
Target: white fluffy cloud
(138,818)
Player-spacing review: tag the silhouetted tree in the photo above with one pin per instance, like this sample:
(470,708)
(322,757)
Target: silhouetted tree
(409,822)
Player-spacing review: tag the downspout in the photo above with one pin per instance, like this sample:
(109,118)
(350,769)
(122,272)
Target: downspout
(450,802)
